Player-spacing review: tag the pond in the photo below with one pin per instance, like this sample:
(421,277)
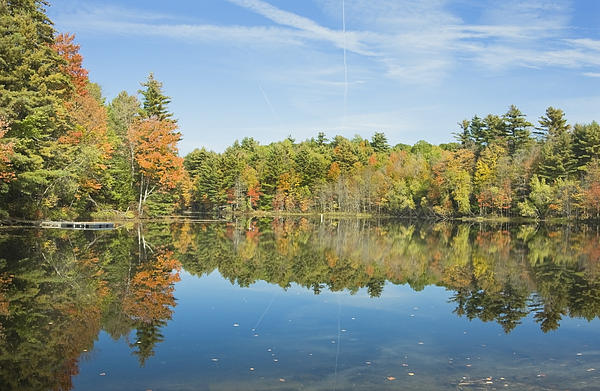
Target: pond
(287,304)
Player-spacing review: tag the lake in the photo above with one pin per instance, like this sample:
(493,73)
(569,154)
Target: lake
(287,304)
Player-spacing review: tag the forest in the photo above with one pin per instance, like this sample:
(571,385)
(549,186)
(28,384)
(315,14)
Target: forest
(68,153)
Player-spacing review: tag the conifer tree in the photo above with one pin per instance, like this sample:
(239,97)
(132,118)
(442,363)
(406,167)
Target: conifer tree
(516,129)
(33,88)
(155,102)
(557,160)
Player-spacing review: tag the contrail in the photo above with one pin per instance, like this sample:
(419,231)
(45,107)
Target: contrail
(345,64)
(268,102)
(264,312)
(337,352)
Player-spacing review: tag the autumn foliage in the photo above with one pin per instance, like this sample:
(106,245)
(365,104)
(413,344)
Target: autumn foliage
(151,297)
(6,150)
(155,146)
(66,48)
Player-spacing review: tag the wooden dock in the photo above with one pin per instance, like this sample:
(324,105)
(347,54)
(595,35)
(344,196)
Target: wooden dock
(82,225)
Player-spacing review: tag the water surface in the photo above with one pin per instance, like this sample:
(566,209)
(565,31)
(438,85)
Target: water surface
(299,304)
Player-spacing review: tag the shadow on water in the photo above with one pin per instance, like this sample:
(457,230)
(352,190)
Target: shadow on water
(59,289)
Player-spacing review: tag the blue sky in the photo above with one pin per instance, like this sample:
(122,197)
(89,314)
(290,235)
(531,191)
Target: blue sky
(410,68)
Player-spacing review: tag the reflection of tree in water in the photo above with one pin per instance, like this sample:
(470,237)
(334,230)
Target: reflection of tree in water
(59,289)
(498,273)
(150,301)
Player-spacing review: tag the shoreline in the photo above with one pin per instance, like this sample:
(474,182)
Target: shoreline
(120,220)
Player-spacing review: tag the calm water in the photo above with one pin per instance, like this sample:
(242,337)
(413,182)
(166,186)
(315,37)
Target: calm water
(299,304)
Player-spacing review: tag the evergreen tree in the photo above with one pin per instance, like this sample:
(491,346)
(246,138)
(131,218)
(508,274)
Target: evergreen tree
(321,139)
(493,130)
(557,160)
(552,123)
(155,102)
(586,143)
(379,142)
(33,88)
(516,129)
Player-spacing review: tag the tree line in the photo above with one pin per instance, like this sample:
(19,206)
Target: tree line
(65,152)
(500,165)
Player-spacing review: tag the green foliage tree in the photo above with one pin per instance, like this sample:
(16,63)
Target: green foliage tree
(516,129)
(586,143)
(379,142)
(33,89)
(154,101)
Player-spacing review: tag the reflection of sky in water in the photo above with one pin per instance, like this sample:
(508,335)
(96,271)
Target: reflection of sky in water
(382,341)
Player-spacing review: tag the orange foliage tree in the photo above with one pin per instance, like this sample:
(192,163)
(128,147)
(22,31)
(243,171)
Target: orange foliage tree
(154,144)
(151,296)
(87,142)
(6,150)
(64,46)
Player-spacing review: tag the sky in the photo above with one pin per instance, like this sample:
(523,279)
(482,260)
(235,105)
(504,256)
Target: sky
(413,69)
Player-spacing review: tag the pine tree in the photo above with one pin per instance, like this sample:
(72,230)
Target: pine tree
(552,123)
(558,159)
(586,143)
(379,142)
(155,102)
(516,129)
(33,88)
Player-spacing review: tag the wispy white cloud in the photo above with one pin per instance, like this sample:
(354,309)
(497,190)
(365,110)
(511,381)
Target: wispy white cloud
(352,41)
(125,23)
(414,41)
